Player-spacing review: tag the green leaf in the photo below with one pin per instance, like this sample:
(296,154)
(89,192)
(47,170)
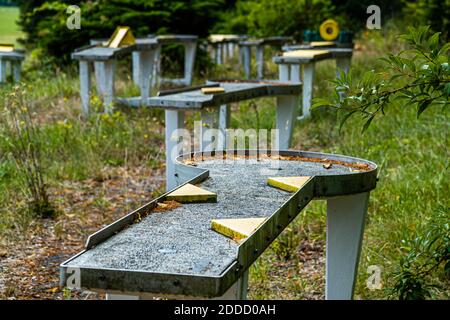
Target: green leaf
(367,123)
(345,118)
(447,89)
(320,102)
(423,105)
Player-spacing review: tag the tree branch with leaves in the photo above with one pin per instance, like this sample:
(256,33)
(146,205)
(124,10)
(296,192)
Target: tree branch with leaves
(419,76)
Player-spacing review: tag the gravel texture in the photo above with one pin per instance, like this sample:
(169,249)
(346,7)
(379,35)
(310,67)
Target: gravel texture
(181,241)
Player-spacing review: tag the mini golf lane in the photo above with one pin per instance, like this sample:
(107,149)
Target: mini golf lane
(171,249)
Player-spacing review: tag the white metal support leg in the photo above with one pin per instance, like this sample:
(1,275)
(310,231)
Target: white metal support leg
(246,51)
(105,82)
(345,226)
(295,73)
(16,70)
(283,72)
(224,124)
(240,55)
(209,138)
(174,122)
(238,291)
(286,116)
(343,64)
(308,86)
(157,67)
(2,70)
(218,54)
(230,48)
(260,61)
(226,57)
(85,86)
(135,61)
(146,61)
(189,60)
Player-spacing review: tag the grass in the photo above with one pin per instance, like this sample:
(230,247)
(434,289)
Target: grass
(9,30)
(412,156)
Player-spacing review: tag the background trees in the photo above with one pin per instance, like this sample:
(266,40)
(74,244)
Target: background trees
(44,22)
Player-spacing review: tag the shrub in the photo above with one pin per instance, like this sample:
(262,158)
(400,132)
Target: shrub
(427,252)
(23,141)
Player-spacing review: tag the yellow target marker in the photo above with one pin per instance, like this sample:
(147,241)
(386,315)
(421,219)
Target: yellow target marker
(329,30)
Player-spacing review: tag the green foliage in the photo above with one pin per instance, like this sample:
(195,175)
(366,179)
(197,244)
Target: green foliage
(428,251)
(419,76)
(281,17)
(23,141)
(435,13)
(44,22)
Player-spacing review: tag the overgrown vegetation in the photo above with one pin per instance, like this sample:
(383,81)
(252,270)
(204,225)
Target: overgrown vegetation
(22,139)
(419,76)
(423,256)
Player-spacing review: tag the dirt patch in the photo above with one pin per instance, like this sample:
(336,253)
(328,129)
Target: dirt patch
(29,265)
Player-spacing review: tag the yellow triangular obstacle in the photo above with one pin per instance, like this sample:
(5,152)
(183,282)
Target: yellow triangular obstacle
(190,193)
(308,54)
(121,37)
(236,228)
(322,43)
(291,184)
(6,47)
(213,90)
